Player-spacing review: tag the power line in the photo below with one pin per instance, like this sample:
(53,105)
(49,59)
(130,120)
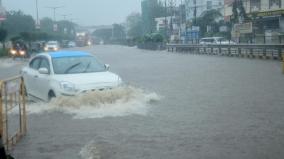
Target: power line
(54,11)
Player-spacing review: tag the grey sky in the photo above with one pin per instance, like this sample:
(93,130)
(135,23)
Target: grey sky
(84,12)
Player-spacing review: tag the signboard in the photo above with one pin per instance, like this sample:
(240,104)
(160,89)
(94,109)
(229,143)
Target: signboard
(192,35)
(269,13)
(195,28)
(55,27)
(244,28)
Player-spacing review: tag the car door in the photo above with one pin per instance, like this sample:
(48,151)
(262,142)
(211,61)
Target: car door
(29,75)
(42,80)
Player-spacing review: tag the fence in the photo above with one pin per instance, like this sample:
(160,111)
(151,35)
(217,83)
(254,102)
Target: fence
(264,51)
(13,125)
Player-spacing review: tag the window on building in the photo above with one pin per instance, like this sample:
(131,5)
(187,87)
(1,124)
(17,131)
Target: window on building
(209,5)
(254,5)
(274,4)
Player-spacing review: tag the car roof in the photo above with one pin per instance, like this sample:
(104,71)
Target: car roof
(212,38)
(62,54)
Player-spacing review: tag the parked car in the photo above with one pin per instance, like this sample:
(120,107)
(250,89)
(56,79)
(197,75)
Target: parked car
(215,40)
(52,46)
(66,73)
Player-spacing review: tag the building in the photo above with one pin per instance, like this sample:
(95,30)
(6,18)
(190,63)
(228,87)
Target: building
(195,8)
(265,20)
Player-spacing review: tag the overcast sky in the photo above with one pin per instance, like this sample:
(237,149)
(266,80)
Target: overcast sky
(84,12)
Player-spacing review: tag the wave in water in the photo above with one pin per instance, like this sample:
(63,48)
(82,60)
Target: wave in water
(121,101)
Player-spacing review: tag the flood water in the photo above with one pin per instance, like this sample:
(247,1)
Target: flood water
(178,106)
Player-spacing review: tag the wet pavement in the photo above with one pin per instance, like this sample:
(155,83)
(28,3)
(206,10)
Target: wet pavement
(210,107)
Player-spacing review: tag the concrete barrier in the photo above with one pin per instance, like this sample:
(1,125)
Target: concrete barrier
(265,51)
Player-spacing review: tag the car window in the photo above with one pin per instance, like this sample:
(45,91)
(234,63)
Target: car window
(34,64)
(45,64)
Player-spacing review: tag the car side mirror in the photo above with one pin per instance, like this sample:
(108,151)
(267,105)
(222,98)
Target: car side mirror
(43,70)
(107,66)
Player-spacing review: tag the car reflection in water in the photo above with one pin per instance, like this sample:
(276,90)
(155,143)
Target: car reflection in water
(66,73)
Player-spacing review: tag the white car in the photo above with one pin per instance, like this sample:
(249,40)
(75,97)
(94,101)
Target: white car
(52,46)
(71,44)
(66,73)
(215,40)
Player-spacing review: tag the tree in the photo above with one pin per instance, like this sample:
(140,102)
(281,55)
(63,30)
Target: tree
(151,9)
(18,22)
(134,25)
(3,36)
(46,25)
(209,18)
(239,13)
(104,34)
(118,32)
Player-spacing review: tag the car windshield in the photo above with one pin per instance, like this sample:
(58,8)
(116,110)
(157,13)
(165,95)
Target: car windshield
(52,43)
(74,65)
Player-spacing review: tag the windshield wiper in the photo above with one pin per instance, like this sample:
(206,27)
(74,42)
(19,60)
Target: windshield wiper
(87,67)
(71,67)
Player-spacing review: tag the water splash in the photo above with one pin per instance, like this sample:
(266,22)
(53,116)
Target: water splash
(9,62)
(90,151)
(121,101)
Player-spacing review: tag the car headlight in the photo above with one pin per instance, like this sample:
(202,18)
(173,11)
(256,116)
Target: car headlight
(67,87)
(55,49)
(13,52)
(22,52)
(119,81)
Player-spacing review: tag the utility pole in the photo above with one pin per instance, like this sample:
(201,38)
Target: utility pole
(194,12)
(65,15)
(37,18)
(54,11)
(166,20)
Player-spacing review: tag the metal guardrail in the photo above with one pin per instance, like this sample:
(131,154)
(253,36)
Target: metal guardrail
(12,99)
(266,51)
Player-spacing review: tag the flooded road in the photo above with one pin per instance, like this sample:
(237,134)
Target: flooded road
(207,107)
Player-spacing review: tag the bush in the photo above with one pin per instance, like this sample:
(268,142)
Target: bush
(4,52)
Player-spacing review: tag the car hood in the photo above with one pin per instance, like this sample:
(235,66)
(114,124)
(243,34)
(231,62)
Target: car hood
(88,81)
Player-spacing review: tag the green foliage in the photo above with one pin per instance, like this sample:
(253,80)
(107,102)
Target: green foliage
(18,22)
(151,9)
(153,37)
(4,52)
(46,25)
(209,18)
(238,12)
(118,32)
(3,35)
(104,34)
(134,23)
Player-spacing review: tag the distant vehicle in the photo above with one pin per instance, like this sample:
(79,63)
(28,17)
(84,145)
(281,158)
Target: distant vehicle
(215,40)
(64,43)
(35,47)
(19,49)
(66,73)
(52,46)
(71,44)
(83,39)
